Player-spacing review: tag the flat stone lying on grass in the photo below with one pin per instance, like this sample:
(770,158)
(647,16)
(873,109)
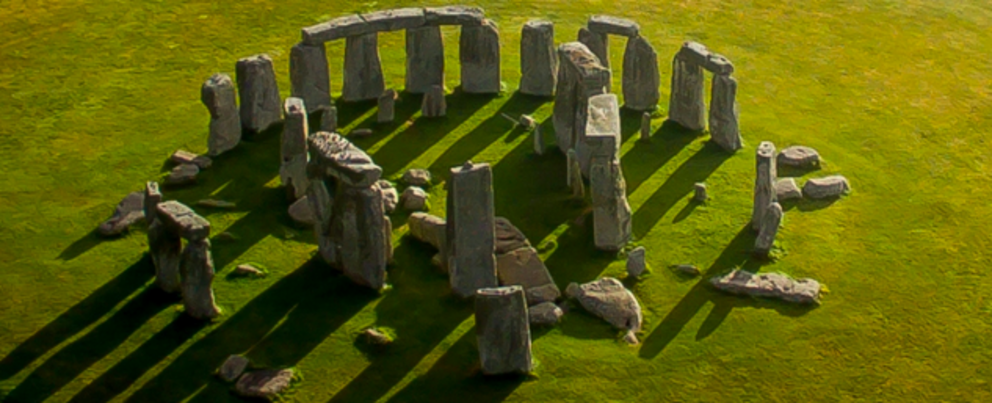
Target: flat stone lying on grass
(769,285)
(182,175)
(248,270)
(786,189)
(414,199)
(545,314)
(636,264)
(608,299)
(390,196)
(185,157)
(214,203)
(128,212)
(264,384)
(524,267)
(301,212)
(233,367)
(799,157)
(359,133)
(826,187)
(417,177)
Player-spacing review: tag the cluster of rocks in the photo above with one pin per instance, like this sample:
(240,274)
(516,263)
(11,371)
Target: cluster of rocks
(266,384)
(687,106)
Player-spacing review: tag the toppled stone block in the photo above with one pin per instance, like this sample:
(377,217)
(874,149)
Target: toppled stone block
(233,367)
(454,15)
(479,53)
(417,177)
(363,79)
(799,157)
(508,237)
(524,267)
(786,189)
(376,337)
(545,314)
(769,285)
(293,170)
(687,269)
(214,203)
(218,95)
(336,157)
(609,300)
(182,175)
(248,270)
(471,232)
(260,104)
(606,24)
(264,384)
(128,212)
(182,221)
(502,327)
(185,157)
(309,76)
(636,262)
(767,229)
(424,59)
(428,228)
(826,187)
(414,199)
(197,272)
(538,59)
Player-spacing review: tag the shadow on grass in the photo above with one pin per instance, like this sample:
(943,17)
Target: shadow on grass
(406,106)
(648,156)
(805,204)
(83,245)
(686,211)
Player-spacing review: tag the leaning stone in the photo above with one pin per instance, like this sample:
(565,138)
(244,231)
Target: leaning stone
(767,230)
(197,272)
(769,285)
(636,262)
(414,199)
(699,193)
(605,24)
(390,197)
(786,189)
(128,212)
(524,267)
(471,232)
(826,187)
(233,367)
(724,114)
(248,270)
(764,182)
(799,157)
(686,105)
(301,212)
(545,314)
(185,157)
(428,228)
(213,203)
(454,15)
(182,175)
(538,59)
(264,384)
(181,220)
(580,76)
(417,177)
(434,105)
(502,327)
(599,45)
(260,103)
(363,79)
(608,299)
(646,126)
(641,78)
(218,95)
(387,106)
(508,237)
(165,248)
(611,211)
(336,157)
(329,119)
(293,149)
(309,76)
(424,59)
(479,54)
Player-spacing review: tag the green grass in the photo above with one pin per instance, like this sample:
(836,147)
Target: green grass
(94,96)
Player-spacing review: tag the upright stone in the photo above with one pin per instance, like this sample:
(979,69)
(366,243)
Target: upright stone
(636,262)
(471,231)
(153,196)
(686,105)
(480,58)
(538,60)
(197,271)
(259,93)
(640,75)
(434,104)
(218,95)
(646,126)
(329,119)
(502,327)
(164,247)
(598,43)
(580,76)
(387,106)
(767,229)
(538,141)
(293,170)
(611,212)
(424,59)
(309,75)
(764,182)
(363,79)
(575,180)
(724,113)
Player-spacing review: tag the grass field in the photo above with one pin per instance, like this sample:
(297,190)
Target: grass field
(94,96)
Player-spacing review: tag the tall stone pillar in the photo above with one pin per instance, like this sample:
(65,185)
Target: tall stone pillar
(580,76)
(218,95)
(309,75)
(258,92)
(764,182)
(686,105)
(502,327)
(611,212)
(424,59)
(164,247)
(480,58)
(197,270)
(723,113)
(640,75)
(293,168)
(363,79)
(471,229)
(598,44)
(767,229)
(538,59)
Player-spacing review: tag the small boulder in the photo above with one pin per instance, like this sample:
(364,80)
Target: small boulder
(417,177)
(799,157)
(414,199)
(786,189)
(699,195)
(376,337)
(826,187)
(636,264)
(182,175)
(128,212)
(264,384)
(608,299)
(213,203)
(185,157)
(687,269)
(527,122)
(248,270)
(769,285)
(545,314)
(390,197)
(301,212)
(233,367)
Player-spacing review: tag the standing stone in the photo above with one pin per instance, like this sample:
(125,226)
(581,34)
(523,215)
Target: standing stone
(538,60)
(640,75)
(218,95)
(165,249)
(197,271)
(538,141)
(607,24)
(502,327)
(646,126)
(259,93)
(329,119)
(424,59)
(480,58)
(767,229)
(153,196)
(363,79)
(390,196)
(580,76)
(545,314)
(387,106)
(636,262)
(575,176)
(471,231)
(293,171)
(309,76)
(611,212)
(764,182)
(686,105)
(598,43)
(724,114)
(700,195)
(434,104)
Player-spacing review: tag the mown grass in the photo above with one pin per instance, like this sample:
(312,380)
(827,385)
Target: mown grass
(894,94)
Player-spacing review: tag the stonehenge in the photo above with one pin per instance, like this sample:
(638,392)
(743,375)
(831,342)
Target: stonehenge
(293,169)
(363,79)
(580,76)
(764,182)
(611,212)
(502,327)
(218,95)
(799,157)
(608,299)
(191,271)
(767,229)
(258,92)
(308,75)
(686,104)
(480,59)
(471,229)
(538,59)
(517,263)
(127,213)
(424,59)
(641,78)
(636,262)
(387,107)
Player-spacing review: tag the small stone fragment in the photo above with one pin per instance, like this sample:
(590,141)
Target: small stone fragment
(502,327)
(182,175)
(390,197)
(260,104)
(545,314)
(527,122)
(636,262)
(359,133)
(687,269)
(329,119)
(414,199)
(186,157)
(213,203)
(387,106)
(417,177)
(233,367)
(699,195)
(608,299)
(434,104)
(646,126)
(248,270)
(769,285)
(264,384)
(786,189)
(375,337)
(799,157)
(826,187)
(128,212)
(301,212)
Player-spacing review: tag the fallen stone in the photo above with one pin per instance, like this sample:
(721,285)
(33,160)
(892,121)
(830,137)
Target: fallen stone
(479,53)
(471,233)
(414,199)
(387,106)
(264,384)
(605,24)
(128,212)
(248,270)
(508,237)
(185,157)
(609,300)
(428,228)
(699,193)
(375,337)
(218,95)
(524,267)
(764,182)
(826,187)
(799,157)
(636,262)
(454,15)
(197,273)
(309,76)
(359,133)
(301,212)
(233,367)
(181,220)
(390,196)
(363,79)
(545,314)
(434,105)
(687,269)
(336,157)
(182,175)
(724,114)
(212,203)
(260,104)
(538,59)
(769,285)
(767,229)
(502,328)
(787,189)
(417,177)
(293,148)
(641,78)
(424,59)
(646,126)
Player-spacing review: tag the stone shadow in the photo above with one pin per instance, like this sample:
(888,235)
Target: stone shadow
(84,244)
(406,106)
(640,162)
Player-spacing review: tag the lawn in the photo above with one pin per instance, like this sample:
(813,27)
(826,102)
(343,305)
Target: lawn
(95,95)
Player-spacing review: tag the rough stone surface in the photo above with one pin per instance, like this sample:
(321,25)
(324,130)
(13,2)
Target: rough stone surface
(767,229)
(359,133)
(414,199)
(697,54)
(428,228)
(424,59)
(599,45)
(358,235)
(527,122)
(434,105)
(454,15)
(181,220)
(128,212)
(165,249)
(152,197)
(417,177)
(508,237)
(329,119)
(334,156)
(182,175)
(636,262)
(471,232)
(264,384)
(764,182)
(248,270)
(538,141)
(646,126)
(363,79)
(395,19)
(185,157)
(293,169)
(538,59)
(606,24)
(524,267)
(641,78)
(545,314)
(375,337)
(686,105)
(502,327)
(799,157)
(769,285)
(608,299)
(580,76)
(826,187)
(364,24)
(233,367)
(699,193)
(724,114)
(258,92)
(197,272)
(309,75)
(786,189)
(387,107)
(301,212)
(390,197)
(611,212)
(218,95)
(480,58)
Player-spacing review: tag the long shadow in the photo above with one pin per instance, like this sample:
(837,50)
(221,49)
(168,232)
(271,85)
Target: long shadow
(311,303)
(77,318)
(648,156)
(82,245)
(406,106)
(348,112)
(75,358)
(696,169)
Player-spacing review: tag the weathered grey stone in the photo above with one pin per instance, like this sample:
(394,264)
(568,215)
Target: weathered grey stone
(769,285)
(697,54)
(395,19)
(606,24)
(359,133)
(502,327)
(414,199)
(764,182)
(185,157)
(479,54)
(538,59)
(424,59)
(214,203)
(508,237)
(786,189)
(364,24)
(646,126)
(608,299)
(334,156)
(826,187)
(538,141)
(264,384)
(687,269)
(599,45)
(434,104)
(293,170)
(454,15)
(686,105)
(197,272)
(387,107)
(545,314)
(636,262)
(390,197)
(259,93)
(699,193)
(428,228)
(611,212)
(580,76)
(524,267)
(799,157)
(128,212)
(152,197)
(363,79)
(417,177)
(641,78)
(358,243)
(575,175)
(767,229)
(301,212)
(248,270)
(329,119)
(218,95)
(182,221)
(471,232)
(724,114)
(309,75)
(165,249)
(182,175)
(233,367)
